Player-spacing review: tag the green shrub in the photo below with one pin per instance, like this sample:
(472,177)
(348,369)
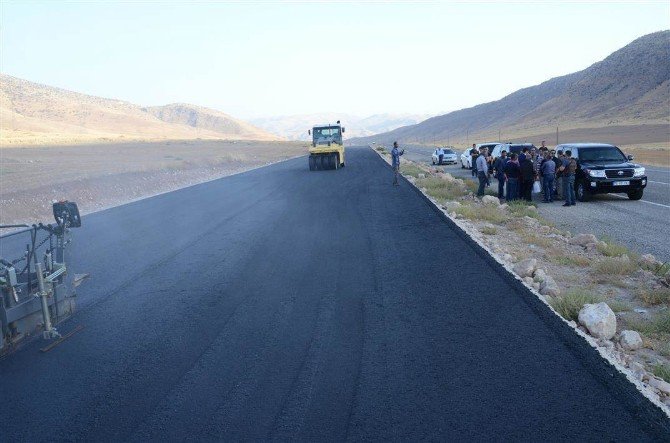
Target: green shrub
(618,305)
(522,208)
(487,213)
(655,296)
(657,325)
(536,240)
(662,371)
(611,249)
(614,266)
(489,230)
(411,169)
(441,189)
(571,260)
(569,305)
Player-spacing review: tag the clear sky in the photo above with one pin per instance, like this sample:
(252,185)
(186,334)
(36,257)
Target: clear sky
(253,59)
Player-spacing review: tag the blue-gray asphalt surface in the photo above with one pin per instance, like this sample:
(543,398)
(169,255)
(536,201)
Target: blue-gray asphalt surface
(288,304)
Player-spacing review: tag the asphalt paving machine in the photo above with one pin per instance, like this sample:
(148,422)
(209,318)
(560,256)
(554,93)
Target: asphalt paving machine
(327,151)
(34,291)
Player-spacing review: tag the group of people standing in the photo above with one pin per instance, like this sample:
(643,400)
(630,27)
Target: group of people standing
(548,171)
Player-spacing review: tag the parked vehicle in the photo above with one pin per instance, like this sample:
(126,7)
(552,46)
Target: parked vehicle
(603,169)
(511,148)
(466,159)
(448,156)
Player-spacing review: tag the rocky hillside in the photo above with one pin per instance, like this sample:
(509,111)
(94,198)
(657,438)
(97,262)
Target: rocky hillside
(31,112)
(630,87)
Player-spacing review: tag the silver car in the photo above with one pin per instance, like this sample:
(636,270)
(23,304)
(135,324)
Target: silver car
(444,156)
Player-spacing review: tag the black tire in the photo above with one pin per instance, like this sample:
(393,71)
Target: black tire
(336,162)
(312,163)
(581,192)
(322,163)
(636,194)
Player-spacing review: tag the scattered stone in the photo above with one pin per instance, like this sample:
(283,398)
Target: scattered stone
(630,340)
(528,281)
(532,208)
(583,239)
(649,261)
(659,384)
(598,319)
(530,221)
(549,287)
(507,257)
(539,275)
(503,207)
(591,247)
(490,200)
(421,175)
(536,286)
(545,229)
(525,268)
(640,310)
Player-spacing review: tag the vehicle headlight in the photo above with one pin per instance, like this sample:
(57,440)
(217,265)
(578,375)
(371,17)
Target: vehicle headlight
(639,172)
(597,173)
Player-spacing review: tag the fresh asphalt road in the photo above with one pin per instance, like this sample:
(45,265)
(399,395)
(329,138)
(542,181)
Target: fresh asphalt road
(287,304)
(640,225)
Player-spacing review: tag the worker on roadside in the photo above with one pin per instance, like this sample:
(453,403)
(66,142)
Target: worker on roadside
(395,162)
(568,170)
(559,175)
(548,171)
(526,179)
(512,175)
(473,160)
(499,171)
(482,171)
(557,164)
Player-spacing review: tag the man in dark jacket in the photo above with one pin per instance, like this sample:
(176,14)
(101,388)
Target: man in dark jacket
(512,175)
(499,171)
(473,158)
(527,179)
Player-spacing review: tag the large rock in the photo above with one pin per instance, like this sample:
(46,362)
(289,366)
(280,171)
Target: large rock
(598,319)
(539,275)
(525,268)
(630,340)
(490,200)
(648,261)
(583,239)
(549,287)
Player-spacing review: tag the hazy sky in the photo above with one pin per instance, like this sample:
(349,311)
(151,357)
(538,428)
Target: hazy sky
(279,58)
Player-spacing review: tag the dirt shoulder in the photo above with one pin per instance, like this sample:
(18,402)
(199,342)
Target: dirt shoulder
(97,176)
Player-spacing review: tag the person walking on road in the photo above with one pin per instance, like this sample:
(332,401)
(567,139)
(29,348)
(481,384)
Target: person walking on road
(482,171)
(395,162)
(548,170)
(512,174)
(499,171)
(568,170)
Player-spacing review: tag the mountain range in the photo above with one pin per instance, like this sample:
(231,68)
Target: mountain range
(294,127)
(35,113)
(626,93)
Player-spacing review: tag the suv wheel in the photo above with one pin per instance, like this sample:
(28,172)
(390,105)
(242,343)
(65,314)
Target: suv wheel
(636,194)
(583,194)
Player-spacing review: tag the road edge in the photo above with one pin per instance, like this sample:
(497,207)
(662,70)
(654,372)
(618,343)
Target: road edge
(605,369)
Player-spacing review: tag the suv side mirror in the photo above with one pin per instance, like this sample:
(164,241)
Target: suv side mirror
(309,132)
(343,130)
(630,157)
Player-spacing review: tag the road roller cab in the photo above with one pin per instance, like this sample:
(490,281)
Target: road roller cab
(327,151)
